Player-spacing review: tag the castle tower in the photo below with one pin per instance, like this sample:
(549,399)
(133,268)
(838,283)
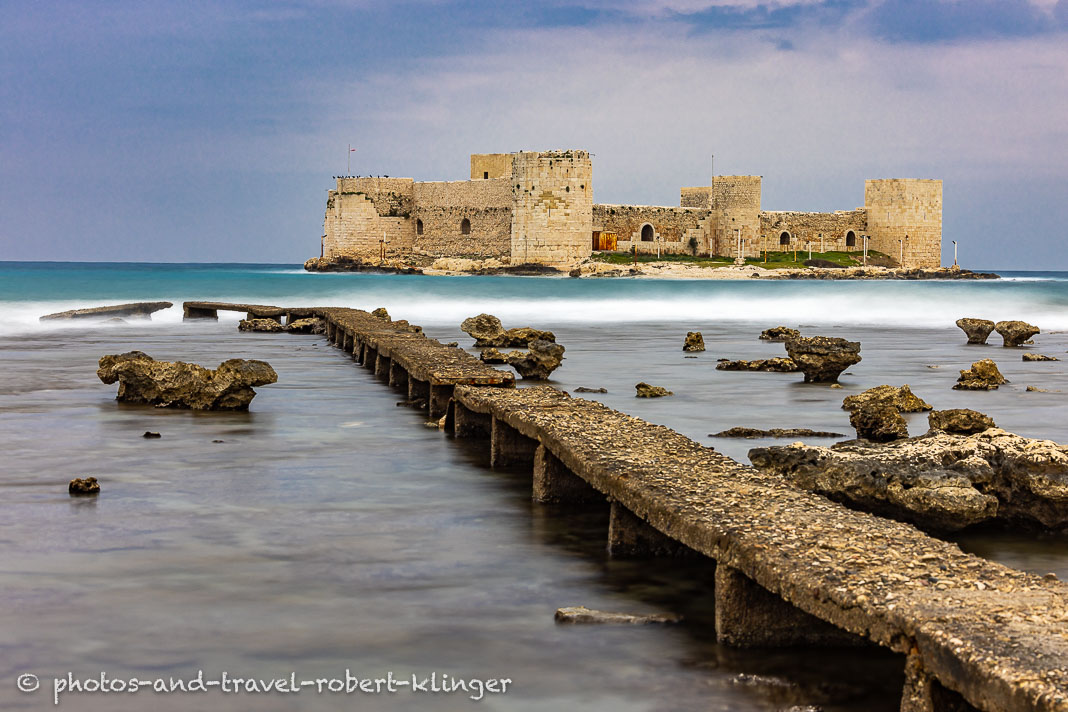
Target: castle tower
(552,207)
(905,219)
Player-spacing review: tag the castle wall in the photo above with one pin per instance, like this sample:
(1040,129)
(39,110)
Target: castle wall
(362,212)
(804,228)
(552,207)
(906,207)
(442,207)
(736,207)
(674,226)
(489,166)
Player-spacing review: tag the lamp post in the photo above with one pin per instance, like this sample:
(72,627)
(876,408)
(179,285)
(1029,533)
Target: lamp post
(865,239)
(738,260)
(821,244)
(658,239)
(954,253)
(900,253)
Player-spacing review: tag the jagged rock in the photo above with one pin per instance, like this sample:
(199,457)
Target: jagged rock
(880,422)
(982,376)
(581,614)
(79,486)
(774,365)
(823,358)
(486,330)
(492,355)
(269,326)
(311,325)
(149,435)
(381,313)
(901,398)
(779,333)
(543,358)
(977,329)
(584,389)
(1039,357)
(961,421)
(176,384)
(694,341)
(644,390)
(403,325)
(1015,333)
(742,432)
(1036,389)
(940,480)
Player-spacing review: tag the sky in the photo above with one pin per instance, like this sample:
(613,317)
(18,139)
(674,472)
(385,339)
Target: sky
(209,131)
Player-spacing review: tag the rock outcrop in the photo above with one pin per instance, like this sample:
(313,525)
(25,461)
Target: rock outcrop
(876,412)
(939,481)
(779,333)
(381,313)
(1015,333)
(902,398)
(585,389)
(177,384)
(310,325)
(961,421)
(644,390)
(581,614)
(773,365)
(134,309)
(694,341)
(977,329)
(822,358)
(743,432)
(982,376)
(79,486)
(270,326)
(487,330)
(1039,357)
(539,362)
(492,355)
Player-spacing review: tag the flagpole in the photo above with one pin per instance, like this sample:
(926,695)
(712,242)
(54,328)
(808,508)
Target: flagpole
(348,157)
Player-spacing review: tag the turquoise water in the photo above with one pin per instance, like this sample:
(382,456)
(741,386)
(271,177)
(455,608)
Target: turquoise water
(332,529)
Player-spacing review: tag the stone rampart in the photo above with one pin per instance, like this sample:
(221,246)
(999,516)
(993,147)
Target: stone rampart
(645,226)
(905,219)
(442,207)
(487,166)
(782,231)
(552,207)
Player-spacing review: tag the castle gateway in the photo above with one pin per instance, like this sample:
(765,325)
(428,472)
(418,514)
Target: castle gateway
(537,208)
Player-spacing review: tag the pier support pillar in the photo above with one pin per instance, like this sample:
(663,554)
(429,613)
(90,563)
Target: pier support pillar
(750,616)
(508,445)
(469,424)
(398,376)
(440,395)
(923,693)
(347,343)
(331,330)
(631,537)
(555,483)
(418,390)
(382,365)
(199,313)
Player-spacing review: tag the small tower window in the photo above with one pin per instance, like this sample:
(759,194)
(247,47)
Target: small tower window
(465,226)
(418,227)
(485,174)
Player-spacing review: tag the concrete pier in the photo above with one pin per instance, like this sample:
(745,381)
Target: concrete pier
(791,566)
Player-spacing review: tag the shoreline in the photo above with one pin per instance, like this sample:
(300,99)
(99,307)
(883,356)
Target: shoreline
(592,269)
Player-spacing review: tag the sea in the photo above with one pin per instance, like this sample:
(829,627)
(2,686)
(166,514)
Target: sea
(328,534)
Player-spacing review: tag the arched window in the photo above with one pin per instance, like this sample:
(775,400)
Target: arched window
(784,238)
(647,233)
(851,239)
(465,226)
(418,227)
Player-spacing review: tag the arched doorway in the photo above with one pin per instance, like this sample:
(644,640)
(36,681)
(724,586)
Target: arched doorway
(465,226)
(851,239)
(647,233)
(784,238)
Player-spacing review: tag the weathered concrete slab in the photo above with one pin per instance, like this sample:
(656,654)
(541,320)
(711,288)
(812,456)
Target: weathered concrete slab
(135,309)
(996,636)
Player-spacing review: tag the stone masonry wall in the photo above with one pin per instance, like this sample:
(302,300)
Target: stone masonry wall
(552,207)
(905,216)
(496,165)
(736,208)
(441,208)
(803,228)
(362,212)
(671,224)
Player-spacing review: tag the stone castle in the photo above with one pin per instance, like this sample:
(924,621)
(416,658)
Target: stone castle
(537,208)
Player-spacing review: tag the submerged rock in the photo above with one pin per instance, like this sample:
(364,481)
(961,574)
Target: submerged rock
(779,333)
(1039,357)
(694,341)
(1015,333)
(269,326)
(982,376)
(772,365)
(149,435)
(310,325)
(977,329)
(743,432)
(962,421)
(543,358)
(584,389)
(901,398)
(176,384)
(644,390)
(940,481)
(581,614)
(79,486)
(823,358)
